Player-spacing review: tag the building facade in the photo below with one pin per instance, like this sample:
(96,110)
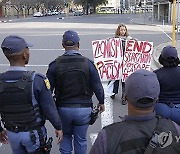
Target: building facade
(129,5)
(163,10)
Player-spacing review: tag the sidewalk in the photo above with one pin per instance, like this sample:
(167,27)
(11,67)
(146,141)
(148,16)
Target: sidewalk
(157,49)
(12,18)
(147,20)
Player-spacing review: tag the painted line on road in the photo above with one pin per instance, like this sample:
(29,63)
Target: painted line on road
(56,49)
(164,33)
(26,65)
(93,137)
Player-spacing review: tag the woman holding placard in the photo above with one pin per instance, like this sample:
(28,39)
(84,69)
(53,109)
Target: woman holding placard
(121,32)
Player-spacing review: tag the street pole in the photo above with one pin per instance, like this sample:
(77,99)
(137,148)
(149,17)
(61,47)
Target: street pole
(152,11)
(177,24)
(67,9)
(24,12)
(174,23)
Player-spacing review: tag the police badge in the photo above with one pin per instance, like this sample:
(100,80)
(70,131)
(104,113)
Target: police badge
(47,84)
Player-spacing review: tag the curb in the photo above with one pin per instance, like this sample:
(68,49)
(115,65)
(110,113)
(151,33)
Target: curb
(140,22)
(157,50)
(5,20)
(14,19)
(148,22)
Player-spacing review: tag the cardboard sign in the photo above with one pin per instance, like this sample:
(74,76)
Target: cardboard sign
(108,55)
(112,64)
(137,55)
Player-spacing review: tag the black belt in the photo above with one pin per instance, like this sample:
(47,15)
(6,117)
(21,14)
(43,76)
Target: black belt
(83,105)
(17,129)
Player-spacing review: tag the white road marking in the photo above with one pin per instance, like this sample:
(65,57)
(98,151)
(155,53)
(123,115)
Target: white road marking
(93,137)
(26,65)
(164,33)
(107,115)
(31,49)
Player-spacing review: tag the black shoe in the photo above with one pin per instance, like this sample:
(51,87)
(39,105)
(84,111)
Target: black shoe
(123,101)
(113,96)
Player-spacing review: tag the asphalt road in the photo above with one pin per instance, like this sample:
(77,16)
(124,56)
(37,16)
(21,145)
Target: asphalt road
(45,34)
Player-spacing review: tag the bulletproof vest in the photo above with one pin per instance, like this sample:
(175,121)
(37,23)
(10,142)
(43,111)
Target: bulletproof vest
(130,137)
(72,78)
(18,106)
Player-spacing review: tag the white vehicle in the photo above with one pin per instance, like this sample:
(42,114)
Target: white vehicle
(55,13)
(78,13)
(49,13)
(38,14)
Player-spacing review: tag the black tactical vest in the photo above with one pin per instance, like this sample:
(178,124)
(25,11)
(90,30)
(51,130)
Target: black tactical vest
(72,78)
(19,110)
(130,137)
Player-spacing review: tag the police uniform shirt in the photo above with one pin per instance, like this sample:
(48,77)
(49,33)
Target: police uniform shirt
(168,78)
(42,93)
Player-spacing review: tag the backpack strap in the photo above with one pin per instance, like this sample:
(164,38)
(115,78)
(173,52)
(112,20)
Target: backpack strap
(153,143)
(1,85)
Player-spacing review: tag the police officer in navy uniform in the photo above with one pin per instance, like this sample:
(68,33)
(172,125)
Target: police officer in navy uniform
(168,76)
(25,102)
(74,78)
(142,131)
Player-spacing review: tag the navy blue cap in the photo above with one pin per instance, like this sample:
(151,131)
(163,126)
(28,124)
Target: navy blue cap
(169,53)
(15,44)
(70,38)
(142,84)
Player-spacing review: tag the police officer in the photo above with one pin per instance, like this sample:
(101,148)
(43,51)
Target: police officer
(169,98)
(142,131)
(26,102)
(74,78)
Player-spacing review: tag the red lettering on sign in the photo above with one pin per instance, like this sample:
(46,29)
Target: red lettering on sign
(97,52)
(129,45)
(109,69)
(147,47)
(109,48)
(138,46)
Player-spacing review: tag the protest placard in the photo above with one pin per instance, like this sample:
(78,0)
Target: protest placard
(108,55)
(137,55)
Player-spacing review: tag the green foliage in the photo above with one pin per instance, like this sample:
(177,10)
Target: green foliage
(3,1)
(90,2)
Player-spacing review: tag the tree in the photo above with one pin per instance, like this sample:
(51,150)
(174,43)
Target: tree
(3,2)
(52,4)
(18,5)
(28,4)
(95,3)
(87,3)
